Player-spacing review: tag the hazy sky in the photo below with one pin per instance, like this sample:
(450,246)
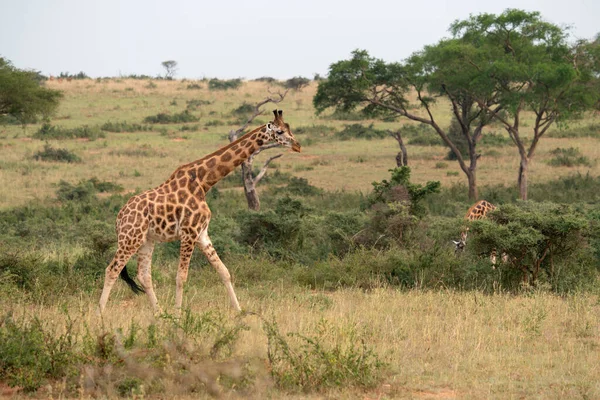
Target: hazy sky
(247,39)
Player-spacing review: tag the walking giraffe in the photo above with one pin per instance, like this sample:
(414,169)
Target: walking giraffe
(477,211)
(177,210)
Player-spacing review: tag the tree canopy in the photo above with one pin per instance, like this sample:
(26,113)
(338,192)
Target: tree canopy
(494,67)
(22,96)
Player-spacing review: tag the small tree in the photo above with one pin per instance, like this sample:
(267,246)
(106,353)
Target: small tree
(170,67)
(249,180)
(22,96)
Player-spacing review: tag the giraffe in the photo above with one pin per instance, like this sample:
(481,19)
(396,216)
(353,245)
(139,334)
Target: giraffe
(477,211)
(177,210)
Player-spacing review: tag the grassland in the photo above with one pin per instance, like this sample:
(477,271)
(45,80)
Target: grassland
(431,344)
(330,164)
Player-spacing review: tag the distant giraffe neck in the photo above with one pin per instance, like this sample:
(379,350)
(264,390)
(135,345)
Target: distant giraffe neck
(478,211)
(209,170)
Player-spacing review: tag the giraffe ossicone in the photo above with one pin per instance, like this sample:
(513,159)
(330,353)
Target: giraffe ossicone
(177,210)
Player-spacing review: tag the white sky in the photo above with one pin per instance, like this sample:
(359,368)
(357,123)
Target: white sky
(240,39)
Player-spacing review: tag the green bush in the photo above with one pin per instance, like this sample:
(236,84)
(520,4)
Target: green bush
(358,131)
(194,86)
(53,154)
(196,103)
(296,83)
(591,130)
(50,132)
(124,126)
(30,353)
(164,118)
(307,363)
(494,139)
(243,110)
(568,158)
(218,84)
(545,241)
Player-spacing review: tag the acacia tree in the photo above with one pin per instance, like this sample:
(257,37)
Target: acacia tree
(381,88)
(249,179)
(170,67)
(529,66)
(22,96)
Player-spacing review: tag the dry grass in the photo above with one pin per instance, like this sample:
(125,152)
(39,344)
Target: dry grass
(436,344)
(328,164)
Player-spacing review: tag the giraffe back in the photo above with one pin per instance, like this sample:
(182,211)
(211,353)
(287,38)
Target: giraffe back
(479,210)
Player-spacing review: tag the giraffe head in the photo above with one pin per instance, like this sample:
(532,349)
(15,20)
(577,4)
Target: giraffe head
(280,132)
(460,244)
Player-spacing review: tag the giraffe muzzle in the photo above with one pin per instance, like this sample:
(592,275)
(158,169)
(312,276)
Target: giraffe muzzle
(296,147)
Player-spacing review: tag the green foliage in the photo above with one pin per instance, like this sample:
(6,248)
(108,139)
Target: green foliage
(494,139)
(307,363)
(196,103)
(400,189)
(296,83)
(267,79)
(50,132)
(194,86)
(22,96)
(164,118)
(358,131)
(218,84)
(53,154)
(243,110)
(568,158)
(30,353)
(542,240)
(124,126)
(591,130)
(80,75)
(456,136)
(85,190)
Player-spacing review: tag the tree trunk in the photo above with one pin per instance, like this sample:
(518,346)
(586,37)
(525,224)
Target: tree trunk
(473,191)
(250,188)
(522,180)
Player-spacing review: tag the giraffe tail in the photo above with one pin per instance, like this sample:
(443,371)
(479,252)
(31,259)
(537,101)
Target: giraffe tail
(137,289)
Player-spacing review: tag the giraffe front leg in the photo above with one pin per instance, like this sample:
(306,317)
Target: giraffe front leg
(209,251)
(185,254)
(144,273)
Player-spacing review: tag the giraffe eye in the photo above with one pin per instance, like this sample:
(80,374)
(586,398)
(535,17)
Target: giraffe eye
(280,132)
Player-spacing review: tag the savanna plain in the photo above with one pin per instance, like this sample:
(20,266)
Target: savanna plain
(340,300)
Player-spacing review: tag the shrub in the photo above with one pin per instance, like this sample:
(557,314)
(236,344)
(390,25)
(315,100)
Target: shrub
(542,240)
(194,86)
(124,126)
(494,139)
(196,103)
(296,83)
(218,84)
(48,132)
(85,190)
(80,75)
(339,115)
(164,118)
(52,154)
(30,354)
(308,363)
(568,158)
(243,110)
(358,131)
(441,165)
(267,79)
(591,130)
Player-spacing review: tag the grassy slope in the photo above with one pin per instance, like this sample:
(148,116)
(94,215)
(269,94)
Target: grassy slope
(350,165)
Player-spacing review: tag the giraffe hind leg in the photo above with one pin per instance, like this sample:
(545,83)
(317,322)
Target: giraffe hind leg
(144,273)
(114,270)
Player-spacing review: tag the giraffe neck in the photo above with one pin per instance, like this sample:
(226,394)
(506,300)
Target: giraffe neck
(212,168)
